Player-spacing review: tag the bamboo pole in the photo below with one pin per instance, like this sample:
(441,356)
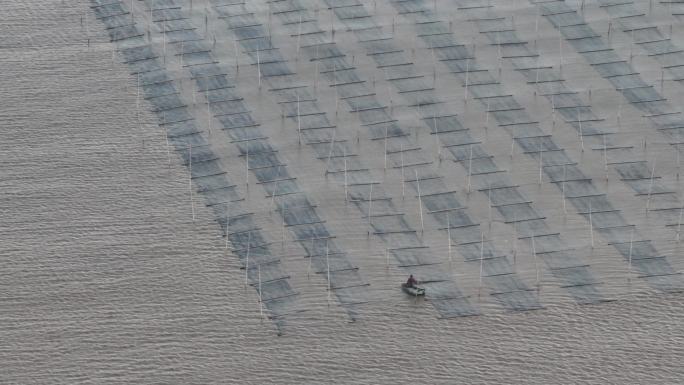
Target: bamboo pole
(629,265)
(370,210)
(650,187)
(258,64)
(227,223)
(481,261)
(591,225)
(403,176)
(327,262)
(449,235)
(261,304)
(192,203)
(249,244)
(679,223)
(346,183)
(470,166)
(299,123)
(536,262)
(420,203)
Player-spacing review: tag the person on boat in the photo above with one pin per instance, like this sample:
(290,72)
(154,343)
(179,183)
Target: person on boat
(411,282)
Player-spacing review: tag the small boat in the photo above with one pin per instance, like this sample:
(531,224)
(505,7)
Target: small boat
(415,290)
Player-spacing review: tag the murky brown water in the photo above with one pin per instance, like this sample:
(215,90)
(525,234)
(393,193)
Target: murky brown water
(105,278)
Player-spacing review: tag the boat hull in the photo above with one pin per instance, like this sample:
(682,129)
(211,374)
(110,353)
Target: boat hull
(415,290)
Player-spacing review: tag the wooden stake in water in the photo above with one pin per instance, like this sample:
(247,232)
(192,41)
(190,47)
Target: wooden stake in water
(514,239)
(180,57)
(370,209)
(679,223)
(249,244)
(439,147)
(227,223)
(137,97)
(237,63)
(332,147)
(332,26)
(166,137)
(420,203)
(299,123)
(327,262)
(385,166)
(387,257)
(499,55)
(619,111)
(434,68)
(470,166)
(591,225)
(565,178)
(560,48)
(553,113)
(164,39)
(541,156)
(650,187)
(275,189)
(337,99)
(316,72)
(247,167)
(192,203)
(536,262)
(346,188)
(629,264)
(581,133)
(489,204)
(209,116)
(261,307)
(465,94)
(678,161)
(605,156)
(403,176)
(282,225)
(481,261)
(631,48)
(299,35)
(536,74)
(449,235)
(311,256)
(258,65)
